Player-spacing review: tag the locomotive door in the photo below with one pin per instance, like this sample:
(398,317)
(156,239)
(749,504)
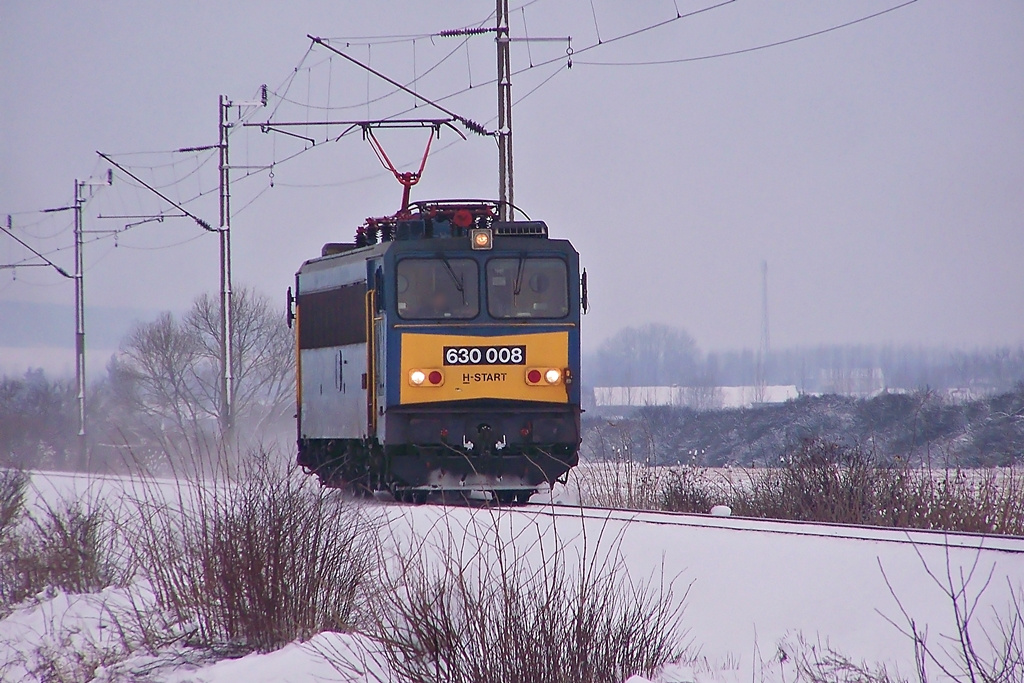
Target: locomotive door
(376,337)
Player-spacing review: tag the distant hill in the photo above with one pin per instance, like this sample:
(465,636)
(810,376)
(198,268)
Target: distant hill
(922,427)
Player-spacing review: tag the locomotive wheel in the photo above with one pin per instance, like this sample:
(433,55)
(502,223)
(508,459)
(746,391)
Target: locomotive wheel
(523,497)
(506,497)
(415,497)
(409,496)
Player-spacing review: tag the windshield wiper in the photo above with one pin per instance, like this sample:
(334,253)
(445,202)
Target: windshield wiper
(458,283)
(518,285)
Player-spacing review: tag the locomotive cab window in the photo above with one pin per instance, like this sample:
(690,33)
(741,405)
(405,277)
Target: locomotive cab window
(527,288)
(437,288)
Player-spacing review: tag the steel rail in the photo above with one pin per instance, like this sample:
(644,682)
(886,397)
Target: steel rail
(862,532)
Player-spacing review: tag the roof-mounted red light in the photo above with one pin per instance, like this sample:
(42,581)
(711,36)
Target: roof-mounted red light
(463,218)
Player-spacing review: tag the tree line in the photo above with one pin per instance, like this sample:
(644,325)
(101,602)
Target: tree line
(662,355)
(162,388)
(161,392)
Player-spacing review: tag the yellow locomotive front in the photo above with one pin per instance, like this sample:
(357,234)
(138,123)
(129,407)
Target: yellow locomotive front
(491,367)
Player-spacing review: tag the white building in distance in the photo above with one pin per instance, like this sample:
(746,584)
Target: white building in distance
(698,398)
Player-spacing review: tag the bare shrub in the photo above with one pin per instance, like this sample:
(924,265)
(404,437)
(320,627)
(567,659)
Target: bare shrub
(691,489)
(983,501)
(495,614)
(12,502)
(623,483)
(70,545)
(823,481)
(253,561)
(74,638)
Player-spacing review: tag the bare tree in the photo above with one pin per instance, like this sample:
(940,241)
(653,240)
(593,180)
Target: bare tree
(157,372)
(170,369)
(652,355)
(263,369)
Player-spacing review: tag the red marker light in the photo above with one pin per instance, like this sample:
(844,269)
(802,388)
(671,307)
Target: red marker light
(435,377)
(533,376)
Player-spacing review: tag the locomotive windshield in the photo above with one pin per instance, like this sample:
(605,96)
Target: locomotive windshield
(527,288)
(432,288)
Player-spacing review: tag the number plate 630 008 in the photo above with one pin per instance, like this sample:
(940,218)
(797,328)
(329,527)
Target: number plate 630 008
(485,355)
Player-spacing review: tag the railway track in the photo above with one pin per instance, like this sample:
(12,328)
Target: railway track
(920,537)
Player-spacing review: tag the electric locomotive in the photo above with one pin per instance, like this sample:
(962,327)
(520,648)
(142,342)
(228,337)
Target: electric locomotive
(439,353)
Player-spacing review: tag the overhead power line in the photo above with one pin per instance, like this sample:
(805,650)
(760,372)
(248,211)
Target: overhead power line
(468,123)
(569,57)
(746,49)
(30,248)
(199,221)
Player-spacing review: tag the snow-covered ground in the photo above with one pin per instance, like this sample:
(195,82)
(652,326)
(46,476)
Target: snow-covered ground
(749,588)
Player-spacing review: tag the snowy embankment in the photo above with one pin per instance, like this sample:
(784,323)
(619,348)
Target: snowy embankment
(753,591)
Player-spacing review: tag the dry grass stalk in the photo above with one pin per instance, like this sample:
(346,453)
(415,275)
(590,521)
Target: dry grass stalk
(825,482)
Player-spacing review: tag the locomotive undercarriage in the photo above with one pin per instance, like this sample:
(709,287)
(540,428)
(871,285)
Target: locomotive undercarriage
(442,450)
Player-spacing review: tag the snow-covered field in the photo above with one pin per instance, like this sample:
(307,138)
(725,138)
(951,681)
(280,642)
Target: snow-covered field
(753,591)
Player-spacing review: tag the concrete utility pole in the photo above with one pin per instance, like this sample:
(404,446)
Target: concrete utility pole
(83,448)
(764,348)
(505,194)
(503,39)
(80,324)
(227,359)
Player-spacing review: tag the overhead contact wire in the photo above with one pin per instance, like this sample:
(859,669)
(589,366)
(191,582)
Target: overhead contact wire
(750,49)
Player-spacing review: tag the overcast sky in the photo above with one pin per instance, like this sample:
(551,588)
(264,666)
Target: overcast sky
(878,169)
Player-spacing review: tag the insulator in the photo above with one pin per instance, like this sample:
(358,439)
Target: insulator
(456,32)
(474,126)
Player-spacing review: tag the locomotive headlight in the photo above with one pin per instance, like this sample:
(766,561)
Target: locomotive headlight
(480,238)
(552,376)
(426,378)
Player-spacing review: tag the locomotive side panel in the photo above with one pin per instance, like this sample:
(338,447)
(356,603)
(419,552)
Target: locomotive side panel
(331,303)
(377,322)
(333,398)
